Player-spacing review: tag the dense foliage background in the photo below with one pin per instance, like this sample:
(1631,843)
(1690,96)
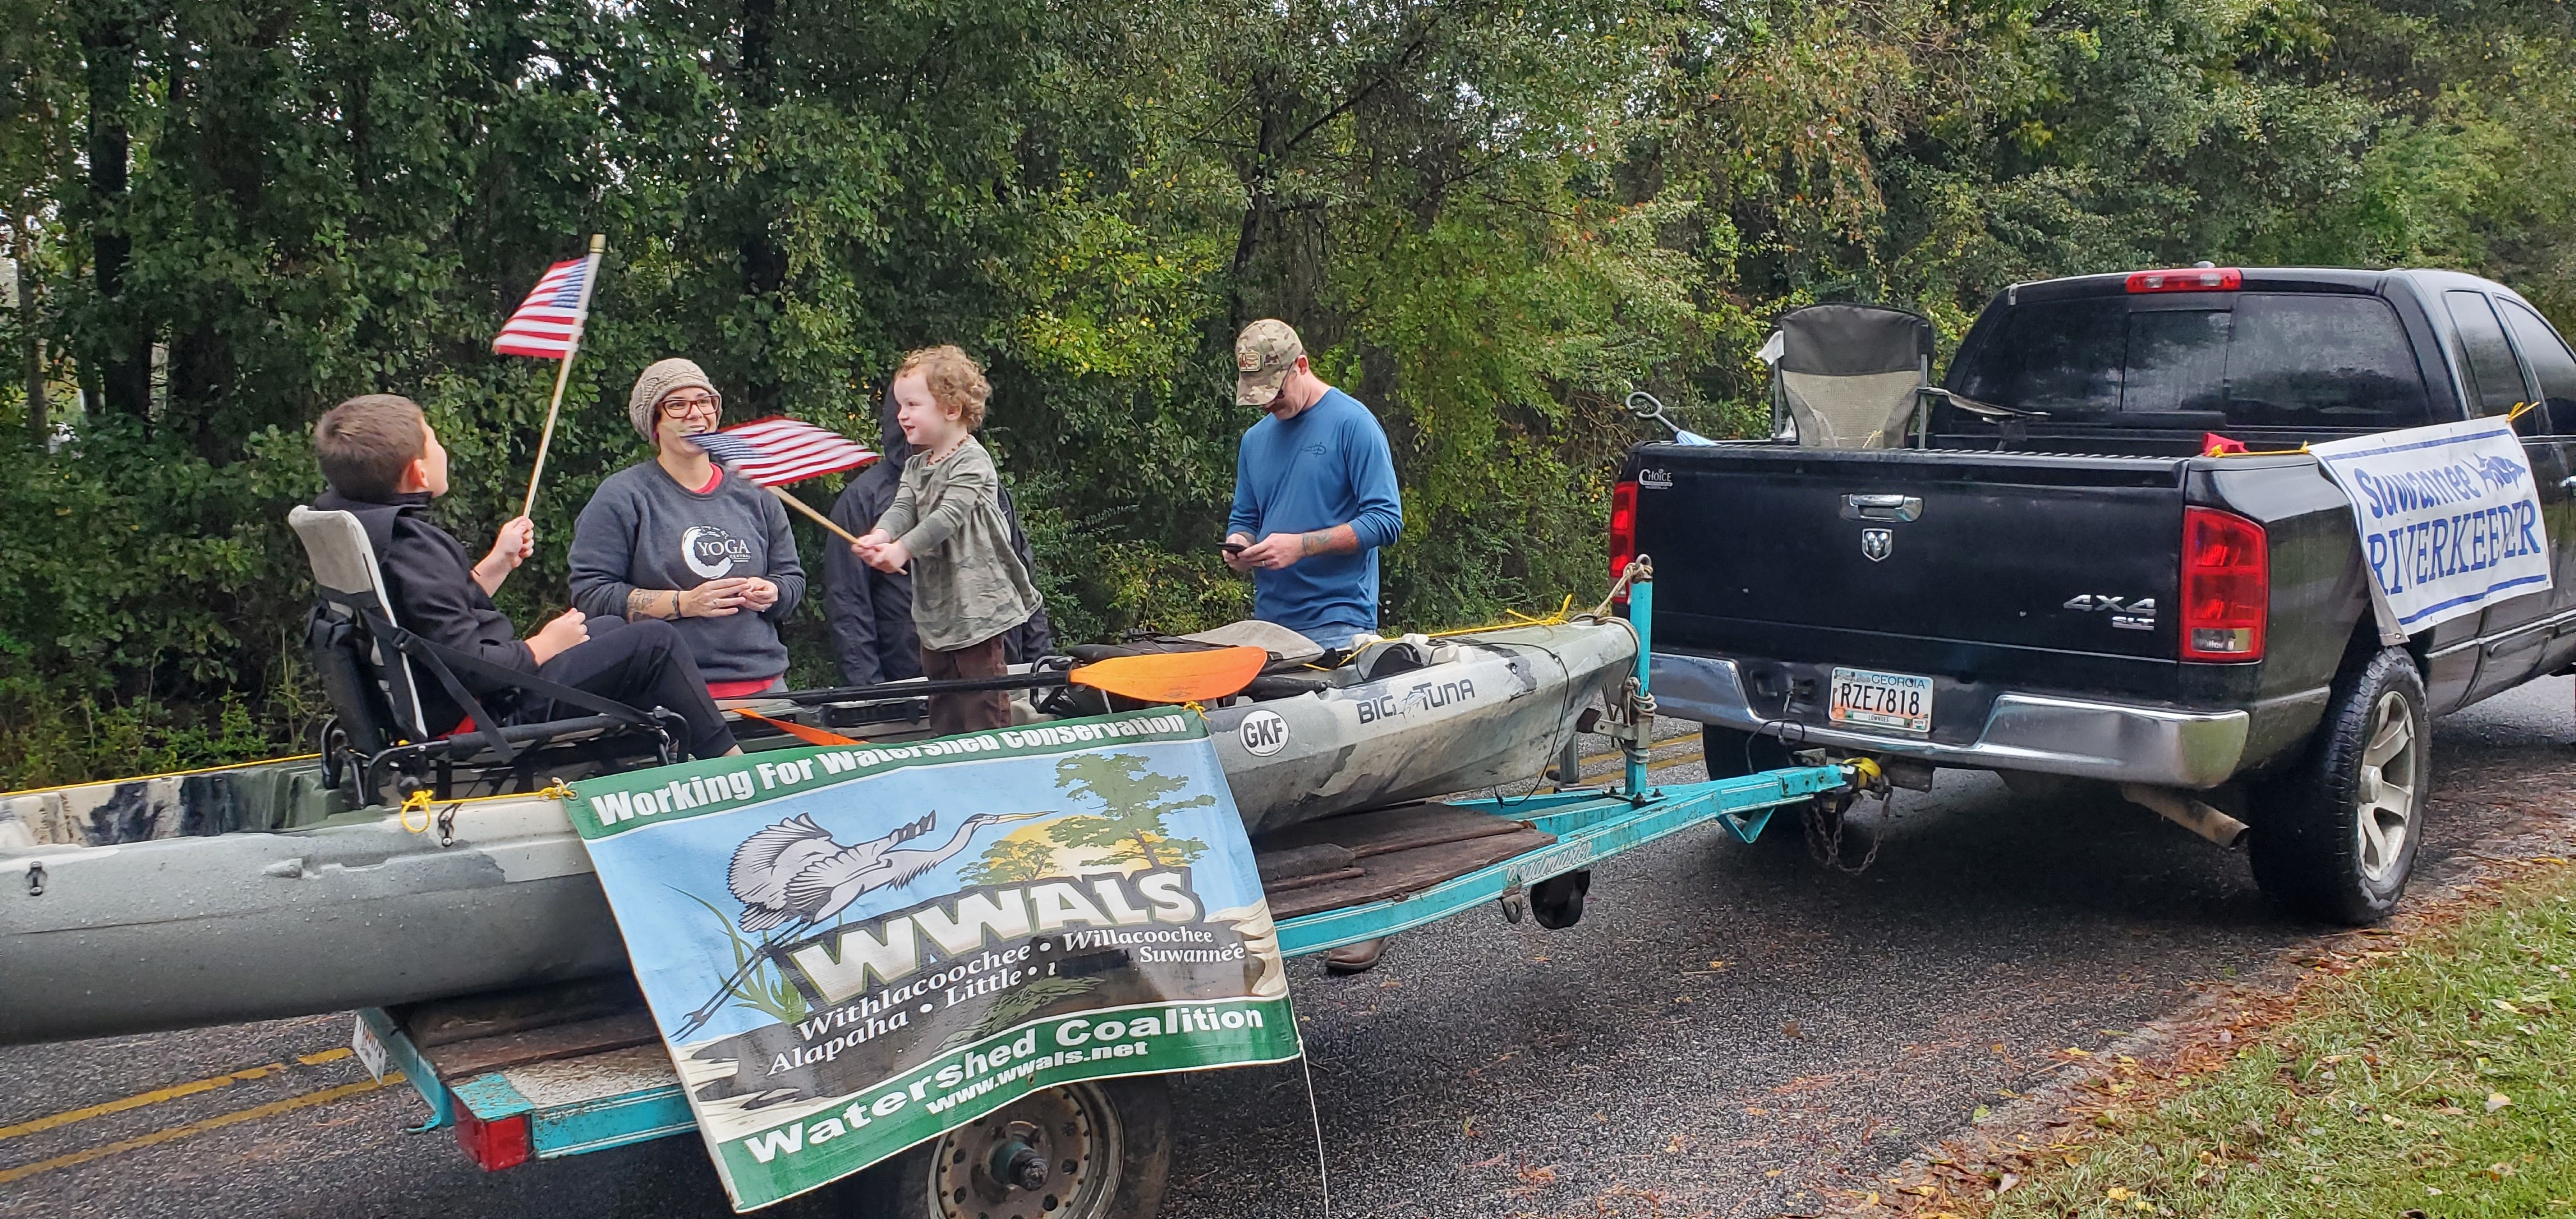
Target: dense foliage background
(1489,219)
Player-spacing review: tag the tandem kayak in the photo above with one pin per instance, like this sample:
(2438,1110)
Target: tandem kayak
(257,892)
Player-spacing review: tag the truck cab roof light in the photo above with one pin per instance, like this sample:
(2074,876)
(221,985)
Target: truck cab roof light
(2188,279)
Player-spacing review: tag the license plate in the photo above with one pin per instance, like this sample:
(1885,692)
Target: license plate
(1882,700)
(370,1051)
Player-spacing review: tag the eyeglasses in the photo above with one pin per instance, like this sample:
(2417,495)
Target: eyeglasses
(681,408)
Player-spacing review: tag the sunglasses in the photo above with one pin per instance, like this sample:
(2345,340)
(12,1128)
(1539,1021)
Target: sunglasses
(681,408)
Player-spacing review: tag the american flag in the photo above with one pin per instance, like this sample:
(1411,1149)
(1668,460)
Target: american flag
(548,324)
(774,452)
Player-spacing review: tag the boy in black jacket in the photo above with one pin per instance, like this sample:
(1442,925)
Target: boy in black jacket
(385,464)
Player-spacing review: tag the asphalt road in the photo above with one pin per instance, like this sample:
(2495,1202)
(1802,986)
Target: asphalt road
(1727,1031)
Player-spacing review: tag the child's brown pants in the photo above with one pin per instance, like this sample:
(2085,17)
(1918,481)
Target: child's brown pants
(951,714)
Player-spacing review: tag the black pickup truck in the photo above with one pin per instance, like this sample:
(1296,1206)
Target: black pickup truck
(2042,575)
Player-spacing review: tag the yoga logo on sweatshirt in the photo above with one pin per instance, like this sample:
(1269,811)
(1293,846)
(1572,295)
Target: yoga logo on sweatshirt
(711,552)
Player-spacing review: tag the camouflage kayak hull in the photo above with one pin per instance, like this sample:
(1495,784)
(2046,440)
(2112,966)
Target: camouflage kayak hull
(254,893)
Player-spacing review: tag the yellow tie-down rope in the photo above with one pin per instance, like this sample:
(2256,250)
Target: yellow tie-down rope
(420,802)
(2519,410)
(1564,614)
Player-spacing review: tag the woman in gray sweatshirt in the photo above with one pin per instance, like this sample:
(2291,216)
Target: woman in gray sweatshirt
(680,538)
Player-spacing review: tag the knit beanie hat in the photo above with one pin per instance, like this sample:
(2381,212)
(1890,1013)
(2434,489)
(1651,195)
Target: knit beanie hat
(644,403)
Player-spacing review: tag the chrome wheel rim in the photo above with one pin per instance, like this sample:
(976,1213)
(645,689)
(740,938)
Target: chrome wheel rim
(2389,789)
(1071,1130)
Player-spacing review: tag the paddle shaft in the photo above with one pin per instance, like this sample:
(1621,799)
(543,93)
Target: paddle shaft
(914,689)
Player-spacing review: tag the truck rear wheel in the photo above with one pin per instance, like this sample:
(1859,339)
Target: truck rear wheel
(1730,754)
(2336,838)
(1098,1150)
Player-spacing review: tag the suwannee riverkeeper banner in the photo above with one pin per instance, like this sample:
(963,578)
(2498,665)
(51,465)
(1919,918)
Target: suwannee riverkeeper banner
(852,949)
(2450,519)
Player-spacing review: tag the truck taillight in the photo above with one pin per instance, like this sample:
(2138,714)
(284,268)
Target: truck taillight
(1623,531)
(2188,279)
(2226,586)
(492,1145)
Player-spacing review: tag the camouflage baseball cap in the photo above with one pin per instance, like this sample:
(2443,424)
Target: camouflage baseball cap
(1263,354)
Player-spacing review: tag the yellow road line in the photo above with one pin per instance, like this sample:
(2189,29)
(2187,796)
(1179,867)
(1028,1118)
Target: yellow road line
(157,1137)
(173,1092)
(1660,742)
(140,1099)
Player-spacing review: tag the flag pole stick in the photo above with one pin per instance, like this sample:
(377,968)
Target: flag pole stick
(819,519)
(563,374)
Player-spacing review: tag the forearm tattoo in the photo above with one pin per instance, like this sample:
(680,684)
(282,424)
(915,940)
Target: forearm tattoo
(642,602)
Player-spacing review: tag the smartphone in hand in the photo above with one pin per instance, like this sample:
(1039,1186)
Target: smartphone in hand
(1233,547)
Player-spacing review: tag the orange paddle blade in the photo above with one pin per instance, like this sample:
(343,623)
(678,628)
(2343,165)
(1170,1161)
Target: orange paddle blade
(1174,677)
(811,736)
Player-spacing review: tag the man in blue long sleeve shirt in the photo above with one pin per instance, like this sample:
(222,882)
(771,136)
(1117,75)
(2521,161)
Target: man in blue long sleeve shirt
(1314,483)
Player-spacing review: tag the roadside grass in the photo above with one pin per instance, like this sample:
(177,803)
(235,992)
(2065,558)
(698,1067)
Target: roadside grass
(2438,1080)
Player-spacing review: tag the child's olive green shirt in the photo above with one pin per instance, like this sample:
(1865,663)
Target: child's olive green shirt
(967,584)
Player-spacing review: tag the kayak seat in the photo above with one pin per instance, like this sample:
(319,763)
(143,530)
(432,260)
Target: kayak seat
(1288,649)
(370,668)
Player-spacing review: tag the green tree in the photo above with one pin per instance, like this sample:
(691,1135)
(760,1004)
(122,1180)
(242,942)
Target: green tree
(1011,861)
(1134,801)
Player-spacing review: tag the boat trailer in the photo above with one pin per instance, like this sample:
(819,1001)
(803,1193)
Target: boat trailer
(575,1068)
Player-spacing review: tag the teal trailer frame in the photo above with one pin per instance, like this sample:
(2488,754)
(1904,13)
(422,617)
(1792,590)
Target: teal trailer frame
(569,1107)
(1590,825)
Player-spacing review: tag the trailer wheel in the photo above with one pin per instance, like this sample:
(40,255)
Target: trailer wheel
(1557,902)
(1098,1150)
(2336,838)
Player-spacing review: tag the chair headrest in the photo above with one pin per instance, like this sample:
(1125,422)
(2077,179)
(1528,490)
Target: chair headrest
(1839,340)
(335,544)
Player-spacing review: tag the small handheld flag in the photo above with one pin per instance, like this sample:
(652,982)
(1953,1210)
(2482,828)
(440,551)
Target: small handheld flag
(777,451)
(548,325)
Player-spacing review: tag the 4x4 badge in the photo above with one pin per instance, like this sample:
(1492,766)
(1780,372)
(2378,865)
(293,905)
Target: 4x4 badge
(1877,544)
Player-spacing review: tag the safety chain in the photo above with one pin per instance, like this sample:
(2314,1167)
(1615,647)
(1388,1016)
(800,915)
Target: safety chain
(1827,845)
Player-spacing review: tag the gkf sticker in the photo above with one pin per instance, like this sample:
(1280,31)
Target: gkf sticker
(1264,732)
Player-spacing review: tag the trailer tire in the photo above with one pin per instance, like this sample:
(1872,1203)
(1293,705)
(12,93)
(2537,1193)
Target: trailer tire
(1108,1141)
(1732,754)
(1557,902)
(2336,837)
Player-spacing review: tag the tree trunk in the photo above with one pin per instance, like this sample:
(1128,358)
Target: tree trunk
(124,355)
(39,421)
(764,265)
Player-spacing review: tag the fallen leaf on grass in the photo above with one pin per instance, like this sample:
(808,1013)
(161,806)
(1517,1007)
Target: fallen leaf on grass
(2497,1100)
(2005,1186)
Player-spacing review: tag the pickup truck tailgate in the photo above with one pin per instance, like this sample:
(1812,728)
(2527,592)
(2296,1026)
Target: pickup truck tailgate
(1927,562)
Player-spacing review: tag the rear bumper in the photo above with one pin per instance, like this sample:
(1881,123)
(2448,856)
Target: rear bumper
(2027,732)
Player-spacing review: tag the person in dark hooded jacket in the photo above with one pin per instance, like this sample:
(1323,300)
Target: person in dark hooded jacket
(870,611)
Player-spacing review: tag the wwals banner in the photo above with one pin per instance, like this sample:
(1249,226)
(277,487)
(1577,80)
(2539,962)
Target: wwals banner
(852,949)
(2450,519)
